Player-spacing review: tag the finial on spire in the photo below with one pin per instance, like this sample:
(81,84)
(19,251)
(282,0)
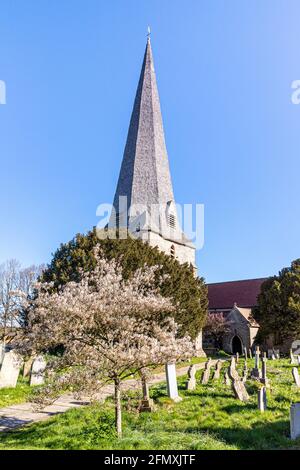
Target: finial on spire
(149,33)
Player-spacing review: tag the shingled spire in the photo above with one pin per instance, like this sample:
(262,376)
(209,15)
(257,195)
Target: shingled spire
(145,178)
(145,174)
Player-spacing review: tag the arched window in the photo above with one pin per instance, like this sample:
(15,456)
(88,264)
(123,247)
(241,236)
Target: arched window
(172,251)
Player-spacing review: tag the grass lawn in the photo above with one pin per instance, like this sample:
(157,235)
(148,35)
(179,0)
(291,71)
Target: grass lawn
(12,396)
(207,418)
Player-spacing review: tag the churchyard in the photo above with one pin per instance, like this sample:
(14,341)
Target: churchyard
(211,414)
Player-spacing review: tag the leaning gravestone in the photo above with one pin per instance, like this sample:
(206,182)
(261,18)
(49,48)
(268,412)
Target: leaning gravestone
(172,382)
(295,420)
(27,367)
(37,371)
(206,373)
(238,387)
(262,399)
(296,376)
(217,371)
(10,369)
(191,383)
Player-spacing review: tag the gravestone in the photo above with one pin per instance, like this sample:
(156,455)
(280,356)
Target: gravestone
(256,372)
(262,399)
(238,387)
(270,353)
(172,382)
(250,353)
(264,378)
(27,367)
(295,420)
(245,353)
(10,369)
(277,353)
(292,357)
(191,383)
(147,402)
(217,371)
(227,380)
(237,356)
(245,373)
(37,371)
(206,373)
(296,376)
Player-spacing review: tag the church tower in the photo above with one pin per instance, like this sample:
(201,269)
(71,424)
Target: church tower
(144,200)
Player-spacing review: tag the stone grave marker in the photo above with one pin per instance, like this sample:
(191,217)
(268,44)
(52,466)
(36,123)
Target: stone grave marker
(245,353)
(296,376)
(277,353)
(147,402)
(245,373)
(262,399)
(206,373)
(172,382)
(27,367)
(10,369)
(264,378)
(226,379)
(37,371)
(295,420)
(270,353)
(250,353)
(191,383)
(237,356)
(256,372)
(238,387)
(217,371)
(292,357)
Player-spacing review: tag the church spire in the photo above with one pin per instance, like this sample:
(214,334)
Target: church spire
(145,176)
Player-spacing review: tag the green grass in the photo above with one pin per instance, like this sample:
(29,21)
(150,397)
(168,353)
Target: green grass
(207,418)
(12,396)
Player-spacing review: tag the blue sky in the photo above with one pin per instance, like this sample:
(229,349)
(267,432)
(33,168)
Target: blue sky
(224,70)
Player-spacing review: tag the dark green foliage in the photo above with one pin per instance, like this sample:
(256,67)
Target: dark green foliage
(187,291)
(278,311)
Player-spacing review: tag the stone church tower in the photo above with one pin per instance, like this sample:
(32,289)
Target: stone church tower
(144,200)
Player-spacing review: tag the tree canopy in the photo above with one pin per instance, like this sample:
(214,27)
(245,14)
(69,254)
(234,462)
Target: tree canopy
(278,310)
(179,283)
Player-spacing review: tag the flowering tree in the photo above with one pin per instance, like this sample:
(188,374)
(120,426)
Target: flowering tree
(216,327)
(109,327)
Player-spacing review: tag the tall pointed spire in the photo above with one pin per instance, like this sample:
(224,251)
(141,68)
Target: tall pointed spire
(145,176)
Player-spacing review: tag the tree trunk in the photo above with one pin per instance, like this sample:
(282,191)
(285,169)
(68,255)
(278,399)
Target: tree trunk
(118,412)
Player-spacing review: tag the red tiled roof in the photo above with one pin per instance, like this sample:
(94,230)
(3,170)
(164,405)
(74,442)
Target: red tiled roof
(223,295)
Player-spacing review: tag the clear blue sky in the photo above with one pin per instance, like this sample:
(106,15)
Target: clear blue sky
(224,71)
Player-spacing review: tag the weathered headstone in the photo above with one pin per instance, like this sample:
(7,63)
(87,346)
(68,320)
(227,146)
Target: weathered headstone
(296,376)
(245,373)
(172,382)
(10,369)
(238,387)
(264,378)
(270,353)
(245,353)
(2,351)
(147,402)
(277,353)
(256,372)
(191,382)
(292,357)
(37,371)
(226,379)
(217,371)
(27,367)
(295,420)
(262,399)
(206,373)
